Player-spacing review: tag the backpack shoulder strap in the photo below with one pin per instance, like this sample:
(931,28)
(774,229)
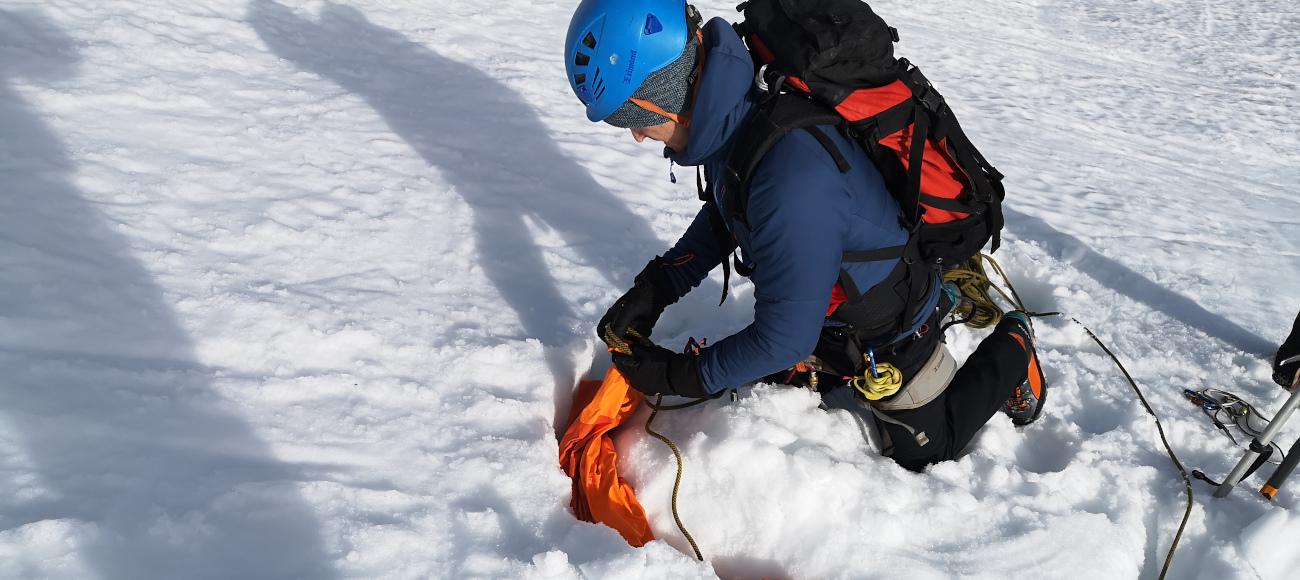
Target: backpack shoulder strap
(774,119)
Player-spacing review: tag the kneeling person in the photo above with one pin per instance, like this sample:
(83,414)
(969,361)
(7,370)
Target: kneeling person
(691,87)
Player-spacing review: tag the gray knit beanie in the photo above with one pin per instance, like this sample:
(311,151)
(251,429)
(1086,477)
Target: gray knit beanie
(668,87)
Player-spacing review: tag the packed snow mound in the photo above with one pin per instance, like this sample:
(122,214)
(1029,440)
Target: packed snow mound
(301,289)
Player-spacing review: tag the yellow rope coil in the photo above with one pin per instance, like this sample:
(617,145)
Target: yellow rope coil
(620,345)
(887,382)
(979,310)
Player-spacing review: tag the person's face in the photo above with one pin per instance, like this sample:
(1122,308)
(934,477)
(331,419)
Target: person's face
(671,134)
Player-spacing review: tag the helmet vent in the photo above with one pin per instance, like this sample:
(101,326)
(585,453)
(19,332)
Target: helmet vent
(589,41)
(652,25)
(581,59)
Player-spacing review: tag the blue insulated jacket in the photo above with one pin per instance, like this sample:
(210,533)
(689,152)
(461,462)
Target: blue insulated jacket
(803,214)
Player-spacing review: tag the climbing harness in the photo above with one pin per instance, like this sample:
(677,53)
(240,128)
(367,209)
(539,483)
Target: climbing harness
(930,381)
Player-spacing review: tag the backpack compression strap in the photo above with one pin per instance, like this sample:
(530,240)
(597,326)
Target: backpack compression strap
(935,121)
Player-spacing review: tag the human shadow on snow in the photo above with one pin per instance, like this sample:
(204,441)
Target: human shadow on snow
(1124,280)
(154,473)
(495,151)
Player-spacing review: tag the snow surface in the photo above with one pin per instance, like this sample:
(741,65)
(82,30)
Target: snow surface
(300,289)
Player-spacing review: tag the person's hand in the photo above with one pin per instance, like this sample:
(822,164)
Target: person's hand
(655,370)
(640,308)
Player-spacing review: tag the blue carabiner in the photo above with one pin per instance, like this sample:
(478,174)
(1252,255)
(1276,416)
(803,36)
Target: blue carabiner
(871,361)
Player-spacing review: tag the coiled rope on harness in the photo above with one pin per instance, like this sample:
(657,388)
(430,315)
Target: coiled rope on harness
(982,312)
(617,344)
(880,380)
(979,311)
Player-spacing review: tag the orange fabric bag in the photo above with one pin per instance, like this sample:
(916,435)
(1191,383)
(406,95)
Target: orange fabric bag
(587,455)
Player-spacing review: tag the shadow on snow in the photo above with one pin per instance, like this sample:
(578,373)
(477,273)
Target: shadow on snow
(1125,281)
(130,444)
(491,146)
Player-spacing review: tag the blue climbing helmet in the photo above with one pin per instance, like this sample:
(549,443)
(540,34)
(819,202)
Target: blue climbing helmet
(614,45)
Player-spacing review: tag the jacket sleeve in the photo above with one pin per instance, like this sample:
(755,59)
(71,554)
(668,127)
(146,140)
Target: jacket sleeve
(796,246)
(696,254)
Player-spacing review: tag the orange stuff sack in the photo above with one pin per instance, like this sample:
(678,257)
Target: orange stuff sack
(588,456)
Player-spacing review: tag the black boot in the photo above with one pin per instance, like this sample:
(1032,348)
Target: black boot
(1026,403)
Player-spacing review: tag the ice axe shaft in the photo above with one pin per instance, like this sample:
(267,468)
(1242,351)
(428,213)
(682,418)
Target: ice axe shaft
(1261,443)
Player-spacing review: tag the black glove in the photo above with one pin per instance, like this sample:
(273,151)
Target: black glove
(1285,374)
(655,370)
(639,309)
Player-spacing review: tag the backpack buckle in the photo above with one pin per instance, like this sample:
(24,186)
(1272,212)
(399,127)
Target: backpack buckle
(769,88)
(760,79)
(923,91)
(931,100)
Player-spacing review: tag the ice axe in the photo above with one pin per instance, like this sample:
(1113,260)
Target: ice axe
(1260,445)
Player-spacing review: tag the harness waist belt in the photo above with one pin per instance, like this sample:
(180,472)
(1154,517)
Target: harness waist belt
(928,383)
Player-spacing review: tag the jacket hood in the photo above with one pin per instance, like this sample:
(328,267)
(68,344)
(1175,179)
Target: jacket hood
(724,98)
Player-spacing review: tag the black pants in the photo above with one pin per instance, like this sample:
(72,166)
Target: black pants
(976,393)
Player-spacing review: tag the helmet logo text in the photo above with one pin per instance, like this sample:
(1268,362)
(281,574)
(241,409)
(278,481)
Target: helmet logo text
(631,63)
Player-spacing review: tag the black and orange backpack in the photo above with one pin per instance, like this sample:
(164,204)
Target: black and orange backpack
(831,62)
